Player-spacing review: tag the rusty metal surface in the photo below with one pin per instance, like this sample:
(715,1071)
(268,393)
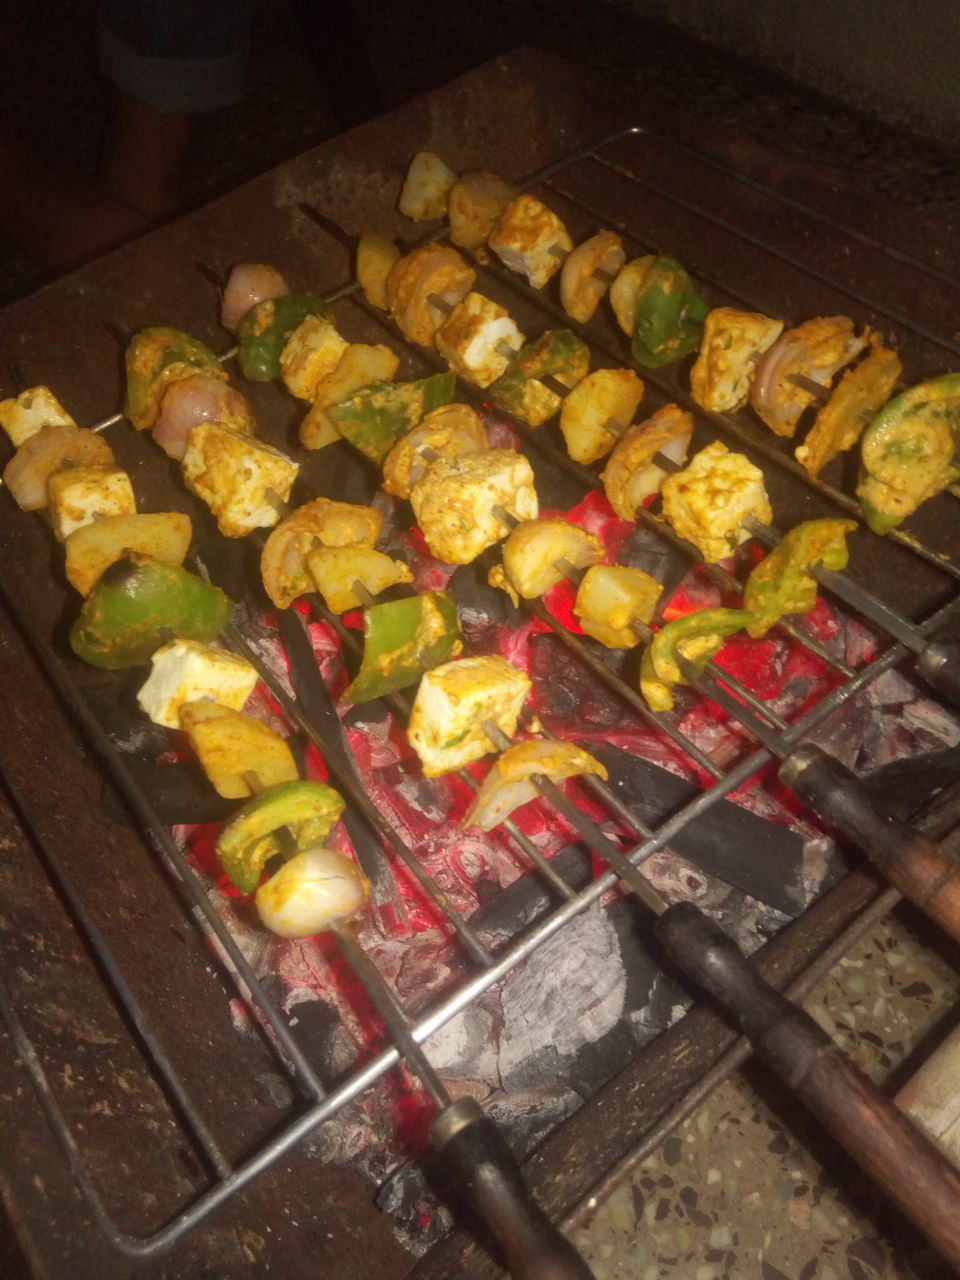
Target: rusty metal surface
(514,116)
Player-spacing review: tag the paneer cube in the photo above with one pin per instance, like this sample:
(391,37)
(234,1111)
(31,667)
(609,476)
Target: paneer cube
(244,482)
(479,339)
(708,500)
(531,239)
(456,499)
(598,411)
(455,702)
(187,671)
(80,495)
(24,415)
(231,747)
(732,341)
(311,354)
(610,598)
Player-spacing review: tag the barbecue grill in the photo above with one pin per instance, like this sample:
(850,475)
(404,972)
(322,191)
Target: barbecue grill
(225,1111)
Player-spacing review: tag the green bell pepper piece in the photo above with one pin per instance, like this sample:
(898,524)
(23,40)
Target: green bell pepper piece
(910,452)
(379,414)
(249,839)
(557,353)
(266,328)
(668,321)
(696,637)
(404,638)
(136,606)
(781,583)
(154,359)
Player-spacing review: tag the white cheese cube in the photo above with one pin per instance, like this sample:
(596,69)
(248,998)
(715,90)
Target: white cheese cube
(731,345)
(708,500)
(77,496)
(187,671)
(455,701)
(530,238)
(312,353)
(455,501)
(245,483)
(478,339)
(24,415)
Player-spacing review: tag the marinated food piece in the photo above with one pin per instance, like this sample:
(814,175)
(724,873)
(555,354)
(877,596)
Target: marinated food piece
(186,670)
(155,359)
(511,781)
(311,354)
(707,502)
(320,523)
(313,891)
(474,338)
(668,317)
(455,502)
(375,417)
(631,476)
(454,704)
(447,432)
(475,202)
(402,640)
(530,238)
(696,638)
(732,343)
(249,840)
(856,399)
(598,411)
(336,571)
(231,747)
(78,496)
(199,398)
(249,283)
(266,329)
(376,258)
(588,272)
(611,598)
(93,548)
(782,583)
(359,366)
(244,482)
(910,452)
(425,188)
(814,351)
(625,291)
(435,274)
(47,451)
(540,553)
(137,604)
(24,415)
(559,354)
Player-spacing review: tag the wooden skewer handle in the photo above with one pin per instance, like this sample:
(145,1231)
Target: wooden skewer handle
(922,870)
(939,664)
(896,1155)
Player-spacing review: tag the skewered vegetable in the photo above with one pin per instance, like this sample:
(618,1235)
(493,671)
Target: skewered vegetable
(605,400)
(910,451)
(243,481)
(732,343)
(707,502)
(814,351)
(44,453)
(416,283)
(266,329)
(375,417)
(453,705)
(610,598)
(335,572)
(581,287)
(456,499)
(475,202)
(530,238)
(509,784)
(322,522)
(426,187)
(781,583)
(557,353)
(473,337)
(155,358)
(231,746)
(669,315)
(359,366)
(404,638)
(198,398)
(860,393)
(631,476)
(24,415)
(78,496)
(137,604)
(540,553)
(625,291)
(376,258)
(695,637)
(447,432)
(187,670)
(248,841)
(314,890)
(249,284)
(92,548)
(311,354)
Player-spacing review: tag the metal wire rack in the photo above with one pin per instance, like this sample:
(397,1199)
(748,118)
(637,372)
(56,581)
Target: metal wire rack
(573,186)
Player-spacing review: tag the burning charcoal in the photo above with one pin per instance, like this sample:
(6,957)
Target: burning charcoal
(646,549)
(568,693)
(179,793)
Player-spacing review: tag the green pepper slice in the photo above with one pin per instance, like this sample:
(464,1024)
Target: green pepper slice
(695,637)
(668,321)
(154,359)
(404,638)
(379,414)
(559,354)
(135,607)
(266,328)
(248,840)
(781,583)
(910,451)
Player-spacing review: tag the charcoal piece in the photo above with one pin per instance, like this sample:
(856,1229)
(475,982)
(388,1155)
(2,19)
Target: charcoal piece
(569,693)
(178,793)
(232,564)
(479,604)
(903,787)
(648,550)
(523,901)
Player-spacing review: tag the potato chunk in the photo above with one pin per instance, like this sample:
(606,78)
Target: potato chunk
(376,257)
(540,553)
(336,571)
(426,187)
(606,396)
(324,523)
(230,745)
(94,547)
(608,600)
(455,702)
(359,366)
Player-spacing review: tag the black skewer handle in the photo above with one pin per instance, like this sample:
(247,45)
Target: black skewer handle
(898,1157)
(923,871)
(485,1175)
(939,665)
